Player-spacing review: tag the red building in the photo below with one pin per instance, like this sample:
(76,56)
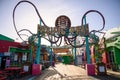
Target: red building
(5,45)
(12,50)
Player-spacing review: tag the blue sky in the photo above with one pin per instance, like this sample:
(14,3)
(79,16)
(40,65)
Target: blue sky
(49,10)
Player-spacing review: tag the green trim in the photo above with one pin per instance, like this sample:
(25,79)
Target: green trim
(12,49)
(2,37)
(114,44)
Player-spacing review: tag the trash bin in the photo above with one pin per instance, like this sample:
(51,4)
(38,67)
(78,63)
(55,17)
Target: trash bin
(90,69)
(100,69)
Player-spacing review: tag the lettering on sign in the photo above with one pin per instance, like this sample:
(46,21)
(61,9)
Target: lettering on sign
(79,30)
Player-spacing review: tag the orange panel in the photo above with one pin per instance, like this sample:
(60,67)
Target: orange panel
(61,50)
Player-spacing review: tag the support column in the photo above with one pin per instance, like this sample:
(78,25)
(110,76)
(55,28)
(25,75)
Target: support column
(87,45)
(38,49)
(87,50)
(51,53)
(37,68)
(38,46)
(89,67)
(76,62)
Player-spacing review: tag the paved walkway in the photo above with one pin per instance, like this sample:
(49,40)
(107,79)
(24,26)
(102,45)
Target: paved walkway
(70,72)
(113,73)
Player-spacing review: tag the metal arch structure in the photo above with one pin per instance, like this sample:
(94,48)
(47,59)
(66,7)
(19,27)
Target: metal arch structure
(87,41)
(18,32)
(84,16)
(62,30)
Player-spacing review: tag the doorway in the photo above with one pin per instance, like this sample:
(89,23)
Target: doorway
(113,65)
(111,57)
(3,62)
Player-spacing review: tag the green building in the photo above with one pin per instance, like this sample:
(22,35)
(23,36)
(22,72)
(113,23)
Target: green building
(113,48)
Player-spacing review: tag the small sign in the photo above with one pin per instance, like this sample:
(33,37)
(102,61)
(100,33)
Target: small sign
(15,57)
(101,68)
(24,57)
(26,68)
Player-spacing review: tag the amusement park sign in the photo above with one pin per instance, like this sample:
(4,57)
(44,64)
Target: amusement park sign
(78,30)
(63,27)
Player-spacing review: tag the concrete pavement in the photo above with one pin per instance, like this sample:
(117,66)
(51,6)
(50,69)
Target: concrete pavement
(70,72)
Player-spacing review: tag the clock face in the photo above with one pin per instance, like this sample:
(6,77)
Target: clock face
(63,22)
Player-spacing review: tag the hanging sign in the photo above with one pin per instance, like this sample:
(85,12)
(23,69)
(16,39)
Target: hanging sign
(79,30)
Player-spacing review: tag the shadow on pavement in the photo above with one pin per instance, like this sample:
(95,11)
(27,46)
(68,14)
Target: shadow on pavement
(106,77)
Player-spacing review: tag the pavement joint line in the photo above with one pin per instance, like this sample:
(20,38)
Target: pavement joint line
(58,72)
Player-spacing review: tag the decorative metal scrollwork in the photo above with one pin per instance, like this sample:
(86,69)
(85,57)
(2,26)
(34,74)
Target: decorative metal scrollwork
(63,26)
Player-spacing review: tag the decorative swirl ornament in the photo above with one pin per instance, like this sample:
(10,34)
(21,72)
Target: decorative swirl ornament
(62,29)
